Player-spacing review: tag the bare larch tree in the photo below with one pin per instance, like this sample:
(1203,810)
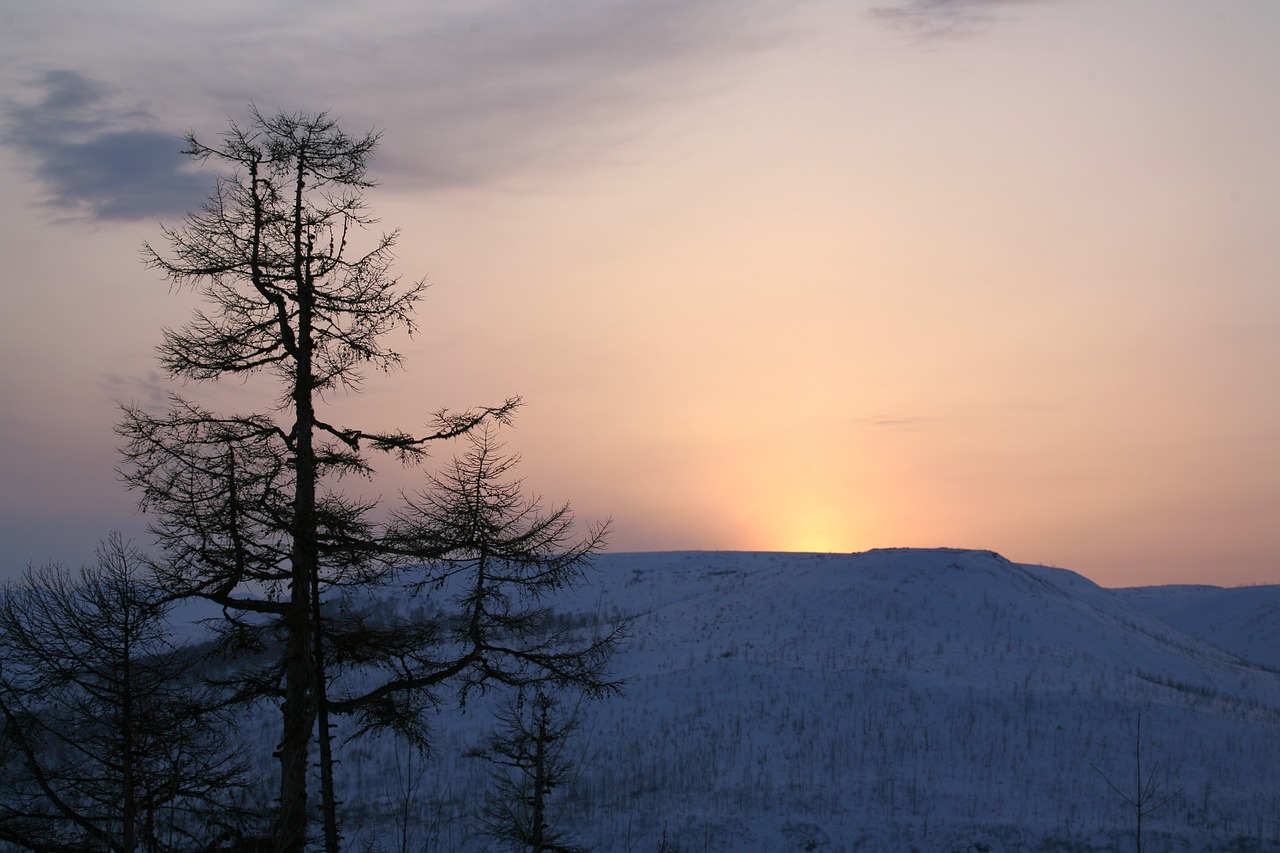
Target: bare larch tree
(109,740)
(248,510)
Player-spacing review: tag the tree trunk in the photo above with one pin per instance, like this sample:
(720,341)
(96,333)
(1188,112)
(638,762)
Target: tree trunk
(129,792)
(540,779)
(300,675)
(324,733)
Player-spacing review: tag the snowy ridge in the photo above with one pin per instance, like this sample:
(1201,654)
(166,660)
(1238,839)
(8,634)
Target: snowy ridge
(1243,620)
(889,700)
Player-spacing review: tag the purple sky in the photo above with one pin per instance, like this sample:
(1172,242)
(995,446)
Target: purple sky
(771,276)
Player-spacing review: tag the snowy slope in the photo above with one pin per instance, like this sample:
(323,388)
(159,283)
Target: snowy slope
(1242,620)
(893,700)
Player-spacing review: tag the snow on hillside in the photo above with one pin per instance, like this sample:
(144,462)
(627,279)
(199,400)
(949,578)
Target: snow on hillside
(929,700)
(1242,620)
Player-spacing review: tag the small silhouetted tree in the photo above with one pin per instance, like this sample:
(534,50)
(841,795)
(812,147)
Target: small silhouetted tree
(531,762)
(109,741)
(1146,796)
(499,558)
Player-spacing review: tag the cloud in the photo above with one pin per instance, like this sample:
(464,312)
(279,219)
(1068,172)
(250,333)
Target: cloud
(943,19)
(897,422)
(153,389)
(94,159)
(468,94)
(512,90)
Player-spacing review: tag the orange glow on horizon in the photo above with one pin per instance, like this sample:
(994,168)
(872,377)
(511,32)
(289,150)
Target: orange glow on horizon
(807,527)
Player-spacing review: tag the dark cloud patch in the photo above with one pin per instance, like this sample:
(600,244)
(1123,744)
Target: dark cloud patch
(943,19)
(467,94)
(96,160)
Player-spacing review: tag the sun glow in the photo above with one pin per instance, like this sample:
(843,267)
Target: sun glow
(818,530)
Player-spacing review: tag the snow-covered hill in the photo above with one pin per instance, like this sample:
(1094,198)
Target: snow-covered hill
(931,700)
(1242,620)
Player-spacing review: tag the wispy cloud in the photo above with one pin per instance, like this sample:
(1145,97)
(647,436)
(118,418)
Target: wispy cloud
(516,89)
(943,19)
(151,389)
(467,93)
(96,159)
(897,421)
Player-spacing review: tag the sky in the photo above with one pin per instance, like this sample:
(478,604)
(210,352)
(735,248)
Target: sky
(822,276)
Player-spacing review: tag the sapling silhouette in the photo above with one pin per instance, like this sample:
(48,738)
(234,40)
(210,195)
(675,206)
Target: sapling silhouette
(1145,798)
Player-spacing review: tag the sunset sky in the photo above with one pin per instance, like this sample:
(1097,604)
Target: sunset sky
(828,276)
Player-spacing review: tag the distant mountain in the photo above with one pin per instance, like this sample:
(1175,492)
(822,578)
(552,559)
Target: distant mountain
(1242,620)
(893,700)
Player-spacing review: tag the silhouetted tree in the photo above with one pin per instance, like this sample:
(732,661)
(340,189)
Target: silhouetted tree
(1145,797)
(497,557)
(247,509)
(108,741)
(528,751)
(500,558)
